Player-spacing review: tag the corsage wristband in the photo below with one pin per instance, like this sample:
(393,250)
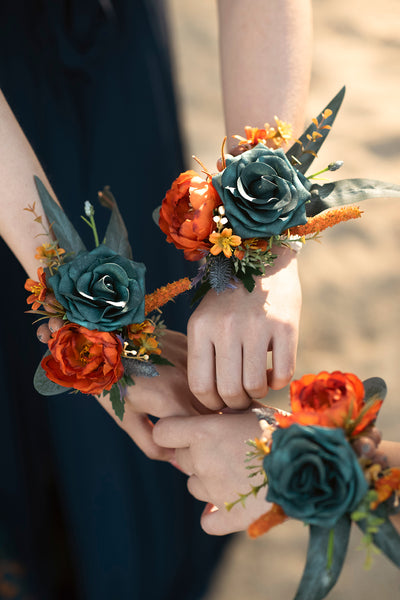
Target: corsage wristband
(262,198)
(112,329)
(323,466)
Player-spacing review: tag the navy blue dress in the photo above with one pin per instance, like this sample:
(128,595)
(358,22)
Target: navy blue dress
(83,513)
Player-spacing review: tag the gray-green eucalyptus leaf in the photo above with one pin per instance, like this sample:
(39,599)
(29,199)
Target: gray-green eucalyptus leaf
(348,191)
(66,234)
(319,577)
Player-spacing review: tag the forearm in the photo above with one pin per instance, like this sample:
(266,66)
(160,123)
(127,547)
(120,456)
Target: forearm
(265,48)
(18,164)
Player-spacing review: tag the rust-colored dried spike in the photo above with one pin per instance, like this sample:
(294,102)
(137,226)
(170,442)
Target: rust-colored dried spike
(165,293)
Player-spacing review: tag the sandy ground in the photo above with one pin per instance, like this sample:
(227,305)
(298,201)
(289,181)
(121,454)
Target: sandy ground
(351,282)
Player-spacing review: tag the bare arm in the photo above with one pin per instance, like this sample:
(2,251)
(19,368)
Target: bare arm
(162,396)
(18,164)
(265,50)
(265,67)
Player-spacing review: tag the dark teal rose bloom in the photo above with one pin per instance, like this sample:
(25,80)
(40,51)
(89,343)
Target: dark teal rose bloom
(262,193)
(101,289)
(313,474)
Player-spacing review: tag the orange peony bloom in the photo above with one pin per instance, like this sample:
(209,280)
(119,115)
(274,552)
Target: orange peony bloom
(86,360)
(186,215)
(330,400)
(38,289)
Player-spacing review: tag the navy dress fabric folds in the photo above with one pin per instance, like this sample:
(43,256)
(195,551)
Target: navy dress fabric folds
(83,513)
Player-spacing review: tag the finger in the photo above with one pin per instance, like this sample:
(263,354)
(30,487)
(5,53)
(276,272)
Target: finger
(140,430)
(201,371)
(283,358)
(229,368)
(43,333)
(255,368)
(163,396)
(218,521)
(197,489)
(55,323)
(174,432)
(220,164)
(184,459)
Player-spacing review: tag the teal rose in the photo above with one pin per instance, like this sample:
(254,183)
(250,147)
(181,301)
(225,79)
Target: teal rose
(262,193)
(101,289)
(313,474)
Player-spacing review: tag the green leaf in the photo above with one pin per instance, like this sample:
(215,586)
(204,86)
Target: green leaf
(45,386)
(348,191)
(318,578)
(306,158)
(160,360)
(66,234)
(156,215)
(247,278)
(386,538)
(375,388)
(116,236)
(117,401)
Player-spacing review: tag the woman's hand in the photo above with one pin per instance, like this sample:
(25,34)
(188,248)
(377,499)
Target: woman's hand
(230,334)
(211,449)
(162,396)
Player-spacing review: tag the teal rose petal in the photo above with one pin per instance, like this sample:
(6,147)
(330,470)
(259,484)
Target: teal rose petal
(314,474)
(101,290)
(262,193)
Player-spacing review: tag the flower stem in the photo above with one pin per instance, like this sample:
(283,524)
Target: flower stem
(93,227)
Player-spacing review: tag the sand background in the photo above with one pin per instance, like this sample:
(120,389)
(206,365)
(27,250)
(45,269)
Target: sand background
(351,282)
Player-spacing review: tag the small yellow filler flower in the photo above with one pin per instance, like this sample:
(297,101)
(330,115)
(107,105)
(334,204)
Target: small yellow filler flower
(224,242)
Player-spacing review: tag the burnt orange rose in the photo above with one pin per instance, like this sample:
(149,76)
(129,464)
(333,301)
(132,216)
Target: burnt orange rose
(186,215)
(330,400)
(86,360)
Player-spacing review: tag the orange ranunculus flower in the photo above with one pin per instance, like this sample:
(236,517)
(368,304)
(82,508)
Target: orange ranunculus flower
(86,360)
(38,289)
(186,215)
(330,400)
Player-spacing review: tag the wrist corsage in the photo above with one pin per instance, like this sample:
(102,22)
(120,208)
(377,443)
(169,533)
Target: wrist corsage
(261,199)
(112,329)
(323,466)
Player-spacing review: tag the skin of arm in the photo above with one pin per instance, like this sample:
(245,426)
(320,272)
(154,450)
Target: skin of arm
(18,164)
(265,48)
(161,396)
